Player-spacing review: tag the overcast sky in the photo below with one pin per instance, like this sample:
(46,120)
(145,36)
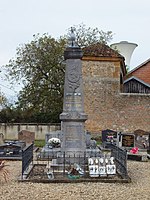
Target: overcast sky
(20,19)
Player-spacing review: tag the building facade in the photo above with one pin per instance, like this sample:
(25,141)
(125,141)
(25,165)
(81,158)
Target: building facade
(142,72)
(105,103)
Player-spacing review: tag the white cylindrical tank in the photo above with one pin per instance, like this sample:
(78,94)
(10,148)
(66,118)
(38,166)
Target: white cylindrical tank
(125,49)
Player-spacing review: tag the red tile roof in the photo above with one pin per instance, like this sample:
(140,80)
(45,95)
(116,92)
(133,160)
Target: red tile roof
(139,66)
(100,50)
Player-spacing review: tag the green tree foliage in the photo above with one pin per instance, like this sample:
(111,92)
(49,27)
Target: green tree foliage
(3,100)
(5,109)
(39,65)
(87,36)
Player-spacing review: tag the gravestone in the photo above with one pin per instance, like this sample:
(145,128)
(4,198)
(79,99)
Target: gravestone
(109,137)
(1,138)
(12,149)
(26,136)
(73,116)
(142,139)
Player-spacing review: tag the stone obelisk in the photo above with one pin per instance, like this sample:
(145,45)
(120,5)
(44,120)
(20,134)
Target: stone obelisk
(73,116)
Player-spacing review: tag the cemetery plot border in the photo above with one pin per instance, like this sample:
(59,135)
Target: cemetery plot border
(42,170)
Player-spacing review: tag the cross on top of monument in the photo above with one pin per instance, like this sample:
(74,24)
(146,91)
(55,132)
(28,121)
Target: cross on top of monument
(71,38)
(73,51)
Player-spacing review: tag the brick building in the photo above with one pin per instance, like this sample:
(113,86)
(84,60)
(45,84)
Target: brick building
(138,80)
(106,105)
(142,72)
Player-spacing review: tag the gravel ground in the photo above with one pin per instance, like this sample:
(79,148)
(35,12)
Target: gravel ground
(138,189)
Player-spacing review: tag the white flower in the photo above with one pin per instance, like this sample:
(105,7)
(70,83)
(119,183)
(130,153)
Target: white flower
(54,141)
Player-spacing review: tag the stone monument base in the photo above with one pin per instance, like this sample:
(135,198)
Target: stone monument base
(69,157)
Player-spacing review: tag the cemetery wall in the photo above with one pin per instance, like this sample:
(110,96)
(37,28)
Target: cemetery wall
(10,131)
(106,107)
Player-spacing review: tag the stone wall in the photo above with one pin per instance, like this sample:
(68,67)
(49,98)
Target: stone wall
(106,107)
(10,131)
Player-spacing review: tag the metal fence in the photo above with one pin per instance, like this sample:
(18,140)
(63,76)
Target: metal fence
(27,158)
(120,156)
(60,164)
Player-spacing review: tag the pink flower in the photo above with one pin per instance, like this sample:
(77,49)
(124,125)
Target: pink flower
(134,150)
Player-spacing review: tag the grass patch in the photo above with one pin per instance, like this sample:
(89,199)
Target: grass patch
(98,139)
(98,142)
(39,143)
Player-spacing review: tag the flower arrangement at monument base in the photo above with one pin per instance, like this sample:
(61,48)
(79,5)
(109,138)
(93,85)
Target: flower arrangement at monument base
(75,172)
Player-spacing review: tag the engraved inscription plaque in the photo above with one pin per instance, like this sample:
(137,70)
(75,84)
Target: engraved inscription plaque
(128,140)
(73,101)
(73,136)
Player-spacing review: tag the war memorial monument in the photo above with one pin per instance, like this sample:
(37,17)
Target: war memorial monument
(73,137)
